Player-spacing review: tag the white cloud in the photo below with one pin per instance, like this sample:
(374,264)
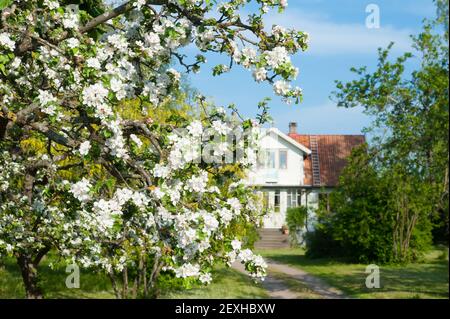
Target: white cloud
(325,119)
(331,38)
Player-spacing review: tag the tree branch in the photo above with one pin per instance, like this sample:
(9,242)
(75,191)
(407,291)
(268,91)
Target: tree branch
(124,8)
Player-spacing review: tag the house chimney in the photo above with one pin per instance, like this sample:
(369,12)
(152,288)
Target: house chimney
(293,128)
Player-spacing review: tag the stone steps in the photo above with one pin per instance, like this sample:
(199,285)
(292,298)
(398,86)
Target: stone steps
(272,239)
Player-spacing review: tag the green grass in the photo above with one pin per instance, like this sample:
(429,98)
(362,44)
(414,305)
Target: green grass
(428,279)
(227,283)
(302,290)
(53,282)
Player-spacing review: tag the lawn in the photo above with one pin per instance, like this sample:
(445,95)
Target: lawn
(227,284)
(428,279)
(53,283)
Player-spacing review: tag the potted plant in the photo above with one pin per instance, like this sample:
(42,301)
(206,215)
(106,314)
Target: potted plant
(285,230)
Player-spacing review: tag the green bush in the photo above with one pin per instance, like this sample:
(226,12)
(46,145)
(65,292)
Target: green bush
(244,231)
(373,217)
(296,220)
(320,243)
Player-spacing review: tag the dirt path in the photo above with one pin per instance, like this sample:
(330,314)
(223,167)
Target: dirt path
(315,284)
(280,288)
(276,288)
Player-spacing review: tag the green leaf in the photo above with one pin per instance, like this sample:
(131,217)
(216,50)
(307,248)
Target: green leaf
(4,4)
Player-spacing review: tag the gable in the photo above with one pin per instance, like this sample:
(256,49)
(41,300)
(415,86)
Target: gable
(286,140)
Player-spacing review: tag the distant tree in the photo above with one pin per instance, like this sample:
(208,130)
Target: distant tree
(392,193)
(375,216)
(411,111)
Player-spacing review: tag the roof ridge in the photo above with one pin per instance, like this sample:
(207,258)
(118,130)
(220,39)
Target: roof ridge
(325,134)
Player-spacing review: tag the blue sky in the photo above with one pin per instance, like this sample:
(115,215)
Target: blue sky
(339,40)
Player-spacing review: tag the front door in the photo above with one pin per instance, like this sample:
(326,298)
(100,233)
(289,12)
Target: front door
(275,205)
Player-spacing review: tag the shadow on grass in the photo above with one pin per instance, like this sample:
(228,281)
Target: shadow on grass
(416,280)
(92,285)
(227,284)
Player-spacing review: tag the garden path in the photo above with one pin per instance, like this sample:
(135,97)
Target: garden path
(278,288)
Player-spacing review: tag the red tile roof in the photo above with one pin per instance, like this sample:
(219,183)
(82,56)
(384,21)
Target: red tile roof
(333,152)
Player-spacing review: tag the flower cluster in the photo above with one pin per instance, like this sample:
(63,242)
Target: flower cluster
(85,169)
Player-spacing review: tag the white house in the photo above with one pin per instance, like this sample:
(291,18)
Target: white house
(298,169)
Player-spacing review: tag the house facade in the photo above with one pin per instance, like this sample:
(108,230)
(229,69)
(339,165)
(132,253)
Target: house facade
(298,170)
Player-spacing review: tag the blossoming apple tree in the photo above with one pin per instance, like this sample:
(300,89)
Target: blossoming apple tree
(126,195)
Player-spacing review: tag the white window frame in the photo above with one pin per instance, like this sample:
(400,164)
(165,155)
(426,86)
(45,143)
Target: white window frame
(294,198)
(279,158)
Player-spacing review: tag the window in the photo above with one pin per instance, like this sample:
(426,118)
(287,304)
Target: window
(277,202)
(294,198)
(283,159)
(261,160)
(270,159)
(290,195)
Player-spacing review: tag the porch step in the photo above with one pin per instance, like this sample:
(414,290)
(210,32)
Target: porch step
(272,239)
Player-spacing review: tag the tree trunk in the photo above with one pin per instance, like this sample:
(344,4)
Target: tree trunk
(125,283)
(152,286)
(29,275)
(144,278)
(114,284)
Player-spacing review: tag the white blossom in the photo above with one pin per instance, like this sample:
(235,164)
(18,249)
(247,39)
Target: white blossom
(84,148)
(81,190)
(195,128)
(47,102)
(161,171)
(236,244)
(87,85)
(281,87)
(211,223)
(260,74)
(70,20)
(197,183)
(136,140)
(6,41)
(220,127)
(277,56)
(72,42)
(187,270)
(93,63)
(235,205)
(51,4)
(205,278)
(94,95)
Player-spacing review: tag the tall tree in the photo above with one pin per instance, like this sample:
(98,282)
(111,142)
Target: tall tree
(112,190)
(411,112)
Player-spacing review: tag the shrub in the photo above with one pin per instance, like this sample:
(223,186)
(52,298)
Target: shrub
(373,217)
(247,232)
(321,243)
(296,220)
